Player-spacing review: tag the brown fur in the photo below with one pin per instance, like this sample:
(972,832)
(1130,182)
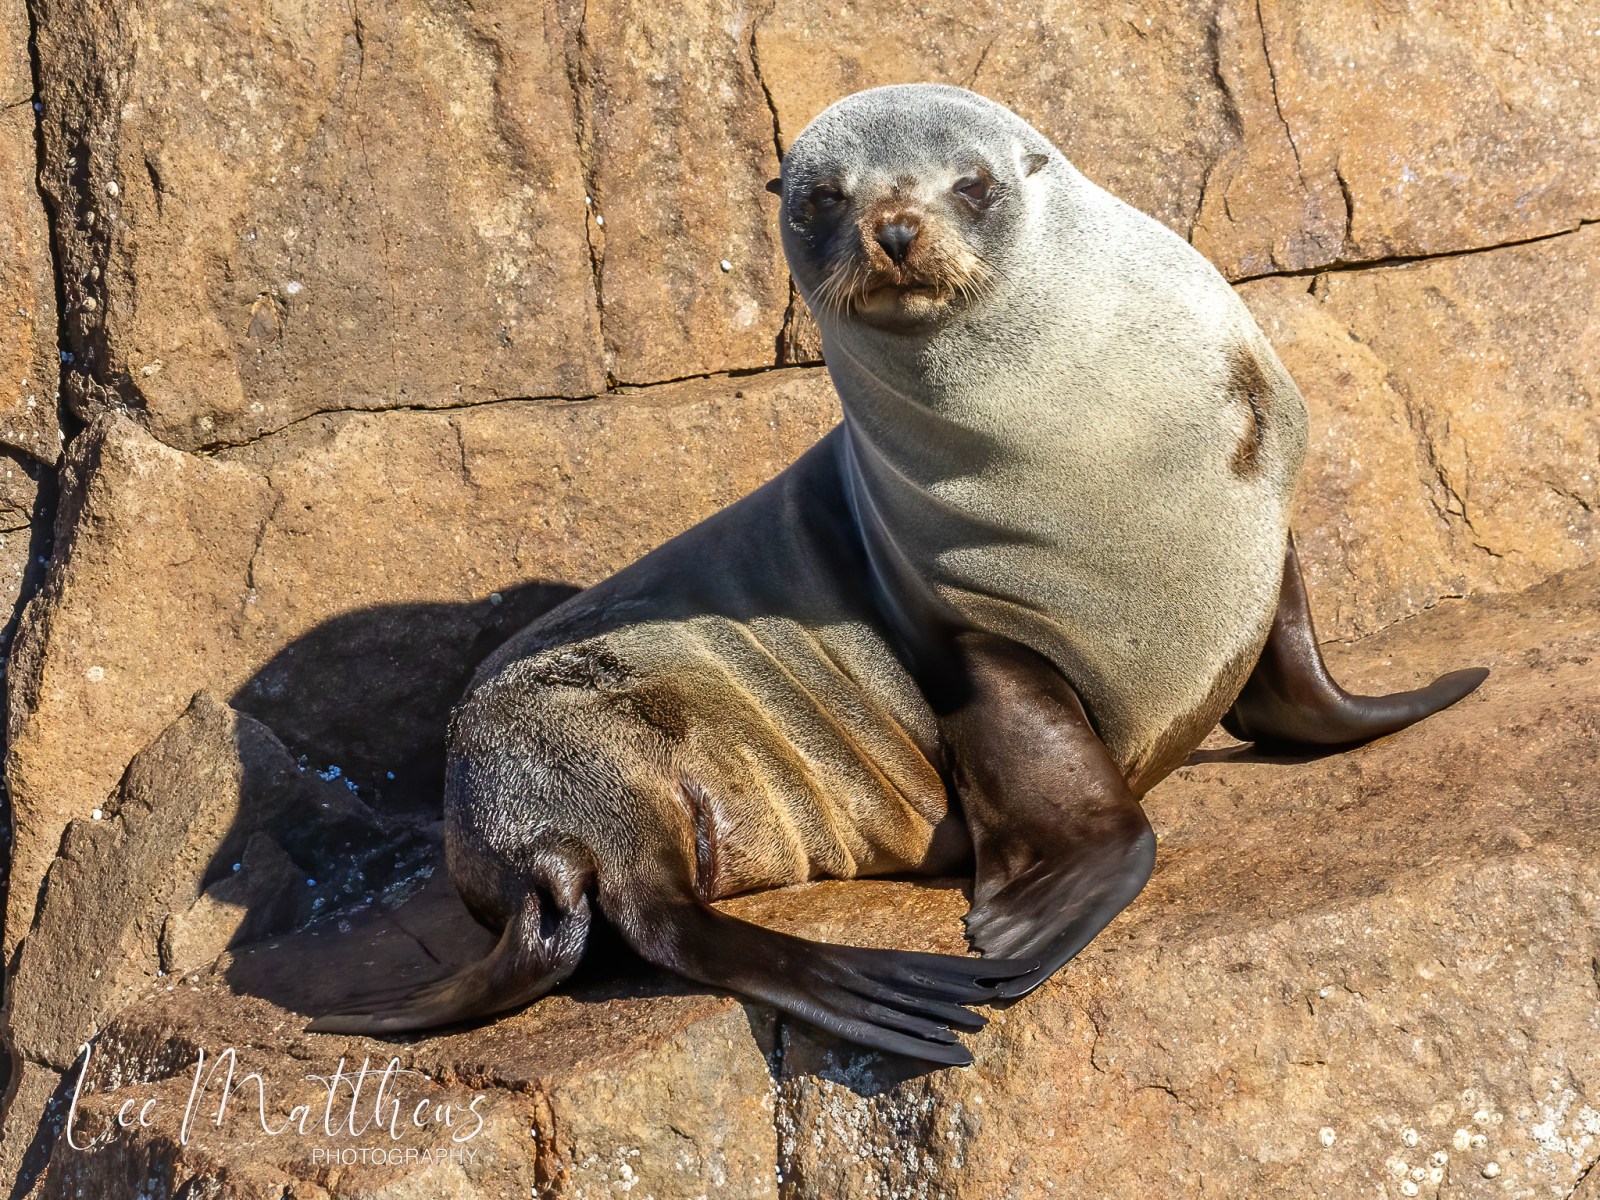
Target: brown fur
(1247,383)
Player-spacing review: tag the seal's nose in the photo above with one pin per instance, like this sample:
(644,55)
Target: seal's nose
(896,237)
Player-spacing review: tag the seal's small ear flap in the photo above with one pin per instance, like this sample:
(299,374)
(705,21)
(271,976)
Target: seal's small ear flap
(1032,162)
(775,186)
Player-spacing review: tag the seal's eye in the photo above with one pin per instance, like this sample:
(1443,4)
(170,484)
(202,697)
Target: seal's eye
(825,196)
(976,190)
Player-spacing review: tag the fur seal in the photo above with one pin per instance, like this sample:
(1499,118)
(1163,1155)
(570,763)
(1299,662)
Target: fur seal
(1045,552)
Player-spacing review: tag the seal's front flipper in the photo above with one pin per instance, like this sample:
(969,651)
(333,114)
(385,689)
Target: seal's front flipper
(896,1001)
(1061,843)
(1291,703)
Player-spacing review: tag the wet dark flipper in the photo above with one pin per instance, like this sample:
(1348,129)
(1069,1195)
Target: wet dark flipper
(538,949)
(1290,703)
(1061,843)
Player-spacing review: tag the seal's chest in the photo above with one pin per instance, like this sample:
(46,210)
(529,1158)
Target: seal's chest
(1147,599)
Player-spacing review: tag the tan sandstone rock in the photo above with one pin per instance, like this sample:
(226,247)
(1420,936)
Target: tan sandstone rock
(1345,969)
(275,1151)
(39,1098)
(152,542)
(1419,129)
(342,580)
(274,210)
(28,357)
(1278,136)
(1454,445)
(678,142)
(20,536)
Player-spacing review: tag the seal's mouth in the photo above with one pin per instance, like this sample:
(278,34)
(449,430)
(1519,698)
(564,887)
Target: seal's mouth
(903,291)
(899,298)
(900,304)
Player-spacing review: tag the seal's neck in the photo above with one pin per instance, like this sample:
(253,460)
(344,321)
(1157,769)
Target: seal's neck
(966,454)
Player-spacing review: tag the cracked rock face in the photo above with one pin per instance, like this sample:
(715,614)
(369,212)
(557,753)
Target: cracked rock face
(260,206)
(28,361)
(678,142)
(1455,446)
(215,837)
(384,327)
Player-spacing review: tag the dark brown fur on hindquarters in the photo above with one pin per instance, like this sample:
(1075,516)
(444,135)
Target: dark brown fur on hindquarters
(1291,703)
(1061,843)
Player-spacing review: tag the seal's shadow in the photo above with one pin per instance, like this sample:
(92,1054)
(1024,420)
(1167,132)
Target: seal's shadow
(336,856)
(1247,752)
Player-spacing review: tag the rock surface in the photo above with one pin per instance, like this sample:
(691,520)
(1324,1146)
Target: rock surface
(213,815)
(252,231)
(678,142)
(28,362)
(1345,970)
(1415,130)
(1454,442)
(271,211)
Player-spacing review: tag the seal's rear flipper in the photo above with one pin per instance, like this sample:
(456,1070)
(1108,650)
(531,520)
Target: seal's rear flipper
(530,958)
(1061,843)
(896,1001)
(1291,703)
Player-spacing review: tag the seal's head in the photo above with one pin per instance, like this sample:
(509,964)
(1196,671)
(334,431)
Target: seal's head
(899,203)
